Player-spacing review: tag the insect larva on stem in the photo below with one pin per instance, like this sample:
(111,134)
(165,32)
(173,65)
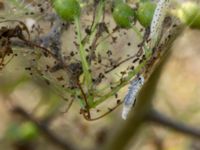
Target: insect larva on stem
(129,100)
(157,21)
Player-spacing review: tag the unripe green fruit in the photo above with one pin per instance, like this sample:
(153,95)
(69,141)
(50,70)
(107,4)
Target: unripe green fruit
(145,13)
(28,131)
(189,13)
(67,9)
(25,132)
(123,15)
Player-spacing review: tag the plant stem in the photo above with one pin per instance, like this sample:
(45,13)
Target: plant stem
(82,52)
(120,85)
(44,129)
(98,15)
(121,136)
(160,119)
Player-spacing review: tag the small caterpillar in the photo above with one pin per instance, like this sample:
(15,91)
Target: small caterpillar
(157,21)
(129,100)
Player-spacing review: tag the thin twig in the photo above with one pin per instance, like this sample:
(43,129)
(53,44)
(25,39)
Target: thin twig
(103,115)
(137,55)
(87,106)
(65,145)
(159,118)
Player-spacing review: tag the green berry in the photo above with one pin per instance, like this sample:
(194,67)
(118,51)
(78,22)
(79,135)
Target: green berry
(145,13)
(67,9)
(25,132)
(123,15)
(28,131)
(189,13)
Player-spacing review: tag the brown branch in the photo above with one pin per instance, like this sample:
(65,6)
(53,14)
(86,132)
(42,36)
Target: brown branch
(65,145)
(159,118)
(137,55)
(87,106)
(121,135)
(103,115)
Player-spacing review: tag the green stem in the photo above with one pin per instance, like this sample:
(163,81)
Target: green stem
(98,16)
(82,52)
(148,52)
(119,86)
(139,35)
(165,43)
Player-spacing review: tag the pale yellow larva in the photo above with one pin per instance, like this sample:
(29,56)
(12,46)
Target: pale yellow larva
(157,21)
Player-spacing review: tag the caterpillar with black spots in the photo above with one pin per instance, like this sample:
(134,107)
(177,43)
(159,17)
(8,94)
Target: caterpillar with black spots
(157,22)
